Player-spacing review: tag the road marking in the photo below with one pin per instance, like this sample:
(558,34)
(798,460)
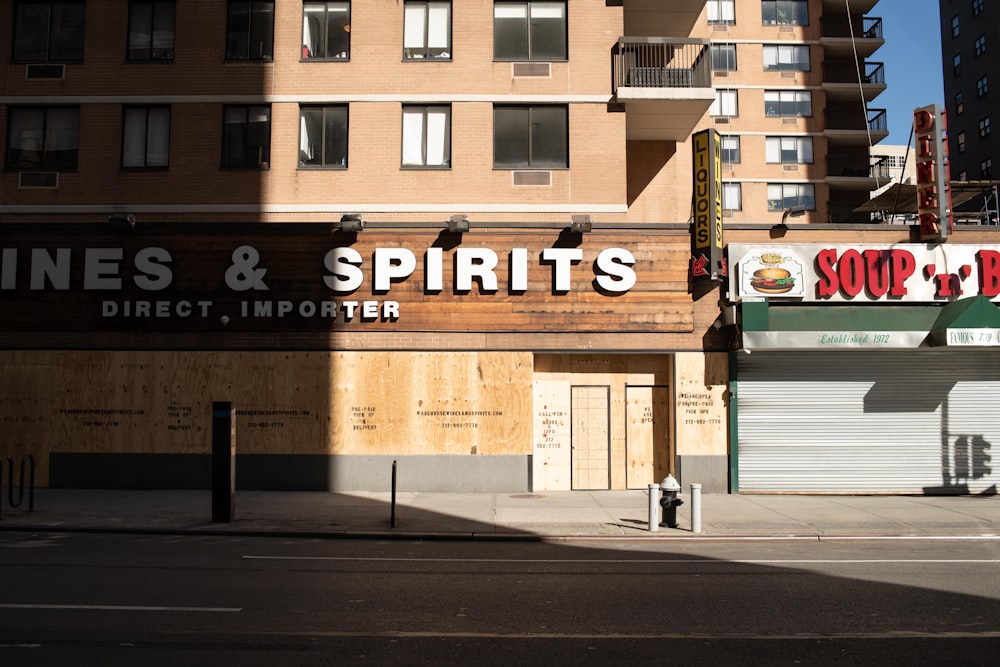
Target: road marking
(618,561)
(102,607)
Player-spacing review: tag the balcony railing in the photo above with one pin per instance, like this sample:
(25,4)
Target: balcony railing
(840,26)
(872,73)
(858,166)
(661,62)
(841,119)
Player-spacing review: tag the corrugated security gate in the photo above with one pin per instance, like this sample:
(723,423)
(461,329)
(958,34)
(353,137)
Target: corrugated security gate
(915,421)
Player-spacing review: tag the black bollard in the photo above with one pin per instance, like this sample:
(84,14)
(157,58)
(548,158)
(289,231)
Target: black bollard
(223,461)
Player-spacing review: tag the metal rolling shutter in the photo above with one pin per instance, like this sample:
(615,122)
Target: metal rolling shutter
(915,421)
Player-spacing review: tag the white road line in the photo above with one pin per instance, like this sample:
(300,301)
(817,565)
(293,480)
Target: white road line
(102,607)
(620,561)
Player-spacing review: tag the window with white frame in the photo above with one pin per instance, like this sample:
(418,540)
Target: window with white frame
(730,148)
(529,30)
(323,136)
(721,12)
(246,136)
(732,197)
(426,135)
(145,137)
(724,57)
(530,136)
(250,30)
(788,103)
(782,196)
(151,30)
(725,103)
(426,30)
(326,30)
(786,57)
(48,31)
(46,138)
(788,150)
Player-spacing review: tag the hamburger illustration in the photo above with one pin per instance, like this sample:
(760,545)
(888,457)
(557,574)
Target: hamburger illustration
(772,280)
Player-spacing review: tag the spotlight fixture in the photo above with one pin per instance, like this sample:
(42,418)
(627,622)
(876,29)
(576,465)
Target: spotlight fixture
(793,212)
(351,223)
(580,224)
(458,223)
(123,222)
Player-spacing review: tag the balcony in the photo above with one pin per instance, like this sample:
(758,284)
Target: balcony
(840,79)
(664,83)
(855,126)
(831,7)
(857,172)
(656,17)
(841,36)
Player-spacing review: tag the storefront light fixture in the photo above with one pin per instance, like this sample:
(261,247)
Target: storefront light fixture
(122,222)
(458,224)
(580,224)
(351,223)
(793,212)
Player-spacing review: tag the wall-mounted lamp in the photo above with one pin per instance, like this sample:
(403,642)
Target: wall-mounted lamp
(580,224)
(351,223)
(122,222)
(458,224)
(793,212)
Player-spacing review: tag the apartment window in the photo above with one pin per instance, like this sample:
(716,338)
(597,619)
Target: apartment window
(956,64)
(151,30)
(781,196)
(984,127)
(788,150)
(732,197)
(725,104)
(246,136)
(788,103)
(954,26)
(145,137)
(323,136)
(980,45)
(986,168)
(43,137)
(977,7)
(730,144)
(426,30)
(426,136)
(529,30)
(250,30)
(786,58)
(959,104)
(530,136)
(963,176)
(48,31)
(724,57)
(326,30)
(721,12)
(960,138)
(982,86)
(785,12)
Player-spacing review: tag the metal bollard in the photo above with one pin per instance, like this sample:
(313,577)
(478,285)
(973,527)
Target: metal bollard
(654,508)
(696,508)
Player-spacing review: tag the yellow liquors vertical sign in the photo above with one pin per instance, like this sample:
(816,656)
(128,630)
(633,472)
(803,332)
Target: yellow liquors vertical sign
(707,260)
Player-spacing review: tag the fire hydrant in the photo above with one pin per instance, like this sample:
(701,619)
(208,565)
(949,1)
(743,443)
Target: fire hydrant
(669,488)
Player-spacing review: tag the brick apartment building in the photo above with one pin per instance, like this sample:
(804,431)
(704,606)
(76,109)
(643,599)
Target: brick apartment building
(455,235)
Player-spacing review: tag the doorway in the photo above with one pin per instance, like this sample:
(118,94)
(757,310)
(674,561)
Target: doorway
(590,437)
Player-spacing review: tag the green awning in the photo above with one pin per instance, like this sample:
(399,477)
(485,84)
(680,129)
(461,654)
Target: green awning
(971,321)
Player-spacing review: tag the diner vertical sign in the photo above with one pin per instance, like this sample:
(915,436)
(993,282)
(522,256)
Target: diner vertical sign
(933,191)
(707,260)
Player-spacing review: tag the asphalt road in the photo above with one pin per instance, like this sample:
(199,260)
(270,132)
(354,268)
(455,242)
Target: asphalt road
(93,599)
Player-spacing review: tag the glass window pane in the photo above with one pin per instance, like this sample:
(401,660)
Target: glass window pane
(439,26)
(438,138)
(510,31)
(310,136)
(140,20)
(338,30)
(548,136)
(158,137)
(31,32)
(163,30)
(414,20)
(238,31)
(335,141)
(66,39)
(511,136)
(413,137)
(134,138)
(25,138)
(262,30)
(548,31)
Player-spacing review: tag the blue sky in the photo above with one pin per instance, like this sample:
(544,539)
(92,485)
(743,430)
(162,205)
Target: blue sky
(912,57)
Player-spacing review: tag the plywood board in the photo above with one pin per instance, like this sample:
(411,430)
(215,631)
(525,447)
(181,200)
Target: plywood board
(701,420)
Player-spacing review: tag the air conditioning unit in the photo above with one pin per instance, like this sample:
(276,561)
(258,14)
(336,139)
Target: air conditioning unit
(38,179)
(532,178)
(531,69)
(45,71)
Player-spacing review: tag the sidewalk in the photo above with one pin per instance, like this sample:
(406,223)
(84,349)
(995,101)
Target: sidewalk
(542,515)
